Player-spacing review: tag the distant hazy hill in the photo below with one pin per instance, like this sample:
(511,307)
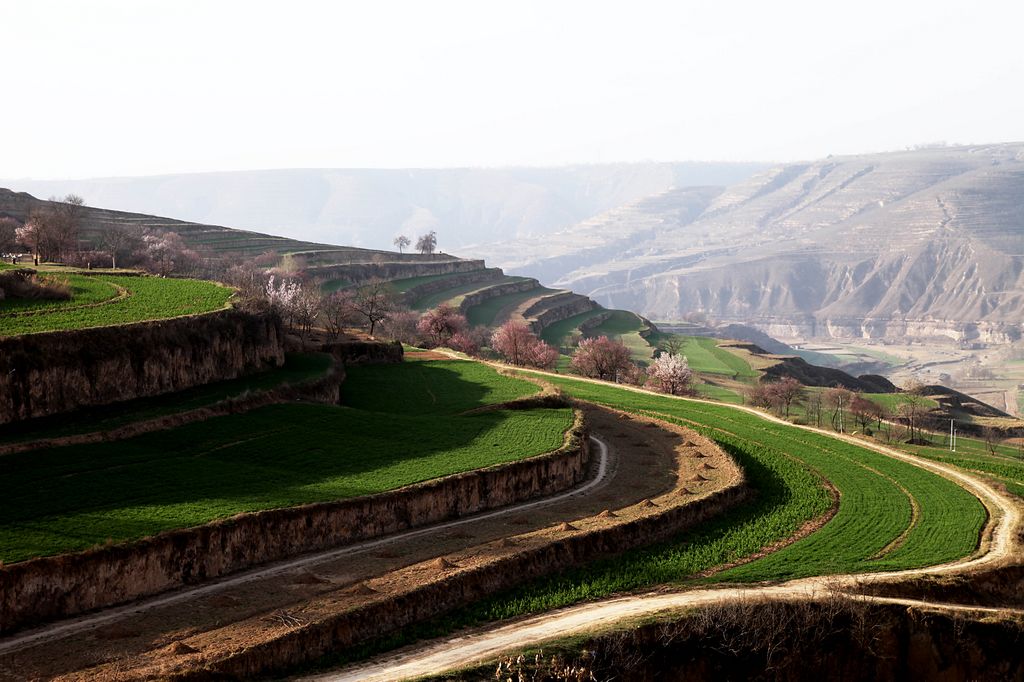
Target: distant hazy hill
(912,243)
(369,207)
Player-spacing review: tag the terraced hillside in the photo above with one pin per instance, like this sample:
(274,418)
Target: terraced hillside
(103,300)
(400,424)
(918,243)
(890,514)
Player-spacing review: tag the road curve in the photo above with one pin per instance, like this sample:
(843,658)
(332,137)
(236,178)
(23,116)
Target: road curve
(469,650)
(73,626)
(461,651)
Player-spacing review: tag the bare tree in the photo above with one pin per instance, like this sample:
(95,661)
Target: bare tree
(865,411)
(992,437)
(814,402)
(838,399)
(401,241)
(8,234)
(373,302)
(671,344)
(307,308)
(337,313)
(65,217)
(427,243)
(787,392)
(912,407)
(35,235)
(119,239)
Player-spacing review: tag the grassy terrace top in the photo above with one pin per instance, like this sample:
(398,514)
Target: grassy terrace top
(104,300)
(401,424)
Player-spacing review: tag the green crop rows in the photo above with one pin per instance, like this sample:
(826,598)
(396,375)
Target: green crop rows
(74,497)
(84,291)
(486,313)
(873,510)
(872,530)
(298,368)
(704,355)
(556,333)
(1005,466)
(149,298)
(455,294)
(626,327)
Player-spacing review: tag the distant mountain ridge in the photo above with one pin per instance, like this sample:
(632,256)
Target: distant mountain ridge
(905,244)
(368,207)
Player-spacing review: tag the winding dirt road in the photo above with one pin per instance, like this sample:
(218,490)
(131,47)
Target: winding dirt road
(1002,540)
(91,621)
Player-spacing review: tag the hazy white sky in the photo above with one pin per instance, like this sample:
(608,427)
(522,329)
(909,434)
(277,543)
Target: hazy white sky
(145,87)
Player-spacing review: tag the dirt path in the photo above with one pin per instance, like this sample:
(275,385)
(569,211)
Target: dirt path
(468,650)
(1001,542)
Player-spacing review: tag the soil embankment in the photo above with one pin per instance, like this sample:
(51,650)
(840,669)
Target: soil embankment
(55,372)
(835,639)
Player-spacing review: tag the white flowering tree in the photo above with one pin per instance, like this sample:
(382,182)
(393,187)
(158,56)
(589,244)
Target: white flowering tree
(283,295)
(670,373)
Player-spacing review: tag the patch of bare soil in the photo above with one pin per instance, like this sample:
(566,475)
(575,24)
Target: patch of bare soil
(649,468)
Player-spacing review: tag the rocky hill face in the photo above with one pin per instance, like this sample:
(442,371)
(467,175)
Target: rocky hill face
(908,244)
(368,207)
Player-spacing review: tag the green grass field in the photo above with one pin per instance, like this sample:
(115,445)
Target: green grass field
(84,291)
(715,392)
(556,333)
(401,286)
(454,295)
(74,497)
(298,368)
(626,327)
(486,313)
(706,357)
(334,285)
(873,511)
(149,298)
(1006,466)
(873,528)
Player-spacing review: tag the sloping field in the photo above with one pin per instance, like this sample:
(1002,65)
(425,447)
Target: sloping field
(890,514)
(705,356)
(626,327)
(103,300)
(495,310)
(454,295)
(298,368)
(1006,465)
(404,428)
(556,333)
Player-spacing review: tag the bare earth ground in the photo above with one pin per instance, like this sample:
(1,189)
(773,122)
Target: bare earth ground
(1002,544)
(645,462)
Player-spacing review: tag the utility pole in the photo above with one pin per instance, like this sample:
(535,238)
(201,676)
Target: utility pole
(841,414)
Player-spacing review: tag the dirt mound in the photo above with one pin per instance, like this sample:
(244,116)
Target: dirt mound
(181,649)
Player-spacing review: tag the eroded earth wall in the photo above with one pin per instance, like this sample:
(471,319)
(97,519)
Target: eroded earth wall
(42,374)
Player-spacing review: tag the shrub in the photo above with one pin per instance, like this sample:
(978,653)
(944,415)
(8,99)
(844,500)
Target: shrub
(602,358)
(441,324)
(24,283)
(519,346)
